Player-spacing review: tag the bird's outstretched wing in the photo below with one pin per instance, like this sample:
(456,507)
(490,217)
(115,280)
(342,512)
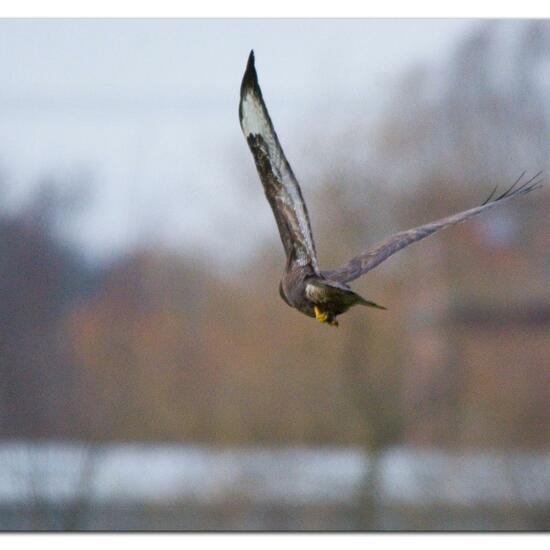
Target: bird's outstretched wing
(361,264)
(280,185)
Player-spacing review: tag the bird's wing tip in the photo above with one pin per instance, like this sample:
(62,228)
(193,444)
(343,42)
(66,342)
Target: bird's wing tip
(250,78)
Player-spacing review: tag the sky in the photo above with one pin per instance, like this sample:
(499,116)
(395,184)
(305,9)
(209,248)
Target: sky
(143,114)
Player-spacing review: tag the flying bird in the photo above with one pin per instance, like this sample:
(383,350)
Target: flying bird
(324,295)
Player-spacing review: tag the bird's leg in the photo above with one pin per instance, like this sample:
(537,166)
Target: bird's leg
(320,315)
(323,317)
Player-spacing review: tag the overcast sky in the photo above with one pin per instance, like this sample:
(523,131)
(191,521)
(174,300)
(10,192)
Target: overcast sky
(146,112)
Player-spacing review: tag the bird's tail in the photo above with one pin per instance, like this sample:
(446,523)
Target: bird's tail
(368,303)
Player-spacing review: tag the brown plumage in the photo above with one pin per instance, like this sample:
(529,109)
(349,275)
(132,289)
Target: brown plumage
(323,294)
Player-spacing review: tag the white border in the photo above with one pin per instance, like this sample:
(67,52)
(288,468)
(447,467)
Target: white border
(252,541)
(281,8)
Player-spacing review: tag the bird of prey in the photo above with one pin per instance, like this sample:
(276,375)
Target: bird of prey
(323,294)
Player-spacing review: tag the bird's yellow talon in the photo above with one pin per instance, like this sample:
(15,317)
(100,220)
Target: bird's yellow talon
(319,315)
(323,317)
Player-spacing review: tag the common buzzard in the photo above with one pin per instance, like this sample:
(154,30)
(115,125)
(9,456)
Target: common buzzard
(323,294)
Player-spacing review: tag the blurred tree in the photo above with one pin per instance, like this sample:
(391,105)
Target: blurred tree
(451,133)
(38,279)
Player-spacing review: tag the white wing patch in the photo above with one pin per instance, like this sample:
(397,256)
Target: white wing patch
(256,122)
(253,120)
